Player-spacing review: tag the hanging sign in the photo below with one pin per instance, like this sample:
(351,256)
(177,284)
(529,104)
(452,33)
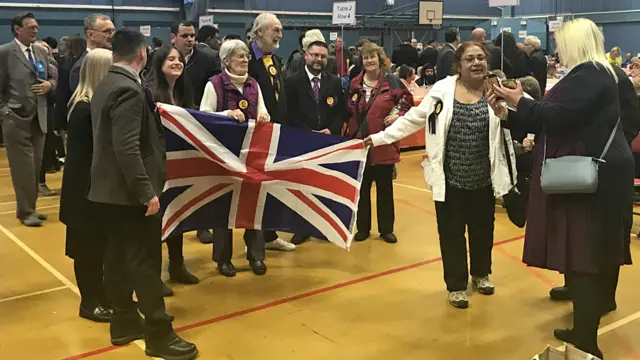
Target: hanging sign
(344,13)
(205,20)
(145,30)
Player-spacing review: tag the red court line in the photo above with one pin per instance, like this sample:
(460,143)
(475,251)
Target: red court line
(626,346)
(532,271)
(288,300)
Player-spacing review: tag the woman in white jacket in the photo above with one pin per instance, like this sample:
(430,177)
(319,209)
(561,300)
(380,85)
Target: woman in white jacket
(465,168)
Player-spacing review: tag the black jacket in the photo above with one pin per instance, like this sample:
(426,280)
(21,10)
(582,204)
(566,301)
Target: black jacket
(444,66)
(405,54)
(129,163)
(63,92)
(201,67)
(330,112)
(629,107)
(277,108)
(428,56)
(74,74)
(538,66)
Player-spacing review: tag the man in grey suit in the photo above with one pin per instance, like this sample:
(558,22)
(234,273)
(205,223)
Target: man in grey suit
(98,29)
(128,172)
(25,81)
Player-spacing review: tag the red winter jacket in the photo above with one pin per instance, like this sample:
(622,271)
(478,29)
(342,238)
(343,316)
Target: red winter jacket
(390,92)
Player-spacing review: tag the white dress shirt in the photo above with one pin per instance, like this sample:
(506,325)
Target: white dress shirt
(25,52)
(311,76)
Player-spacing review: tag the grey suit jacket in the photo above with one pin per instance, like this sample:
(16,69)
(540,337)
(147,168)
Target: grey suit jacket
(17,101)
(129,160)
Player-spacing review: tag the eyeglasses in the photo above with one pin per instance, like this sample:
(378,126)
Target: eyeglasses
(243,56)
(105,31)
(471,59)
(318,56)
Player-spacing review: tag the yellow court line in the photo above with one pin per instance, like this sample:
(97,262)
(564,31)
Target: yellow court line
(52,270)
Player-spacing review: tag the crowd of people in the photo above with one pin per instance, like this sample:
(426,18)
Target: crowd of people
(101,90)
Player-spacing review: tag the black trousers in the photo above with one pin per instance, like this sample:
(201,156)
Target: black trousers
(591,294)
(89,257)
(269,236)
(471,210)
(382,176)
(174,245)
(133,263)
(223,245)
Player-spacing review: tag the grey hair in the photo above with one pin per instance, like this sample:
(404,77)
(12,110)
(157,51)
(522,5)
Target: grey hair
(91,20)
(534,40)
(260,23)
(230,47)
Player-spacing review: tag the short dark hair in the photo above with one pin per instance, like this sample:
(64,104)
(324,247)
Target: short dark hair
(361,42)
(451,35)
(318,43)
(176,26)
(156,41)
(18,20)
(206,32)
(51,41)
(126,44)
(405,71)
(232,37)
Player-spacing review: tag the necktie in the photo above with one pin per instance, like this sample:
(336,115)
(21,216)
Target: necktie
(316,88)
(31,60)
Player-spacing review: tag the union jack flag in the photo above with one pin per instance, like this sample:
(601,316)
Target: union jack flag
(222,174)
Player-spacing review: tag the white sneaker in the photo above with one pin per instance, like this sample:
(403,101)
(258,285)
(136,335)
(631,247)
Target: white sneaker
(280,245)
(483,285)
(459,299)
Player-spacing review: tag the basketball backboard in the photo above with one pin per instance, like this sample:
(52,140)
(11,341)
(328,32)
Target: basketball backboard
(430,13)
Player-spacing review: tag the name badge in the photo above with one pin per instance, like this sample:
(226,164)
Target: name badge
(42,73)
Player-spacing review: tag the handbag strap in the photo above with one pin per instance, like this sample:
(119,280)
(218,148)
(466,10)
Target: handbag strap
(604,152)
(507,153)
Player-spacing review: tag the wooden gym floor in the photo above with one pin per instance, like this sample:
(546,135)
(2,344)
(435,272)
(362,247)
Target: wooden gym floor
(378,301)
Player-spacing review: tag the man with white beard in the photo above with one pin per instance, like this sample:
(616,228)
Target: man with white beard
(266,68)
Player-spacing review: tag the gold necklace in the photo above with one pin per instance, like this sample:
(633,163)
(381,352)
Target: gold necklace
(470,92)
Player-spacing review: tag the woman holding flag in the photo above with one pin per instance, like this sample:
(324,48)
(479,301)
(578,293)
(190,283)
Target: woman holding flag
(235,94)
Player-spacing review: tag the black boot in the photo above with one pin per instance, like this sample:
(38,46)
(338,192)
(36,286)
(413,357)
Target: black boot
(179,273)
(205,236)
(227,269)
(126,326)
(161,341)
(298,239)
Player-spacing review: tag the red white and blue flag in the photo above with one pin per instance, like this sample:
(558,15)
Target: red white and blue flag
(222,174)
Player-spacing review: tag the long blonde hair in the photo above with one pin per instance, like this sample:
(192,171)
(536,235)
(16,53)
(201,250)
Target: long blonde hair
(94,68)
(580,41)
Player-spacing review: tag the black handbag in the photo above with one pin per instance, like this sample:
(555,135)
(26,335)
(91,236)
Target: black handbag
(514,201)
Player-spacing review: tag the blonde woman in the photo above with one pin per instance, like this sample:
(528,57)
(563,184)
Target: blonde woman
(584,236)
(86,242)
(614,57)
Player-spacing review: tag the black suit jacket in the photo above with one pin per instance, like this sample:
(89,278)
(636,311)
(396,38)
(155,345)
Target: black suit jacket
(538,66)
(129,160)
(444,66)
(277,108)
(330,112)
(201,67)
(428,56)
(74,75)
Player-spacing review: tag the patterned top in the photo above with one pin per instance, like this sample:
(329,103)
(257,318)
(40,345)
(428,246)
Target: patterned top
(467,163)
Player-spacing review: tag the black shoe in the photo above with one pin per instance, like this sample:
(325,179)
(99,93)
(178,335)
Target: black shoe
(126,326)
(205,236)
(258,267)
(227,269)
(182,275)
(564,335)
(298,239)
(389,238)
(97,314)
(166,291)
(361,236)
(561,293)
(171,347)
(42,217)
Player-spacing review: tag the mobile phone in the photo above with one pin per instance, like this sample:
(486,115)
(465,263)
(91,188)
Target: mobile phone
(490,80)
(510,84)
